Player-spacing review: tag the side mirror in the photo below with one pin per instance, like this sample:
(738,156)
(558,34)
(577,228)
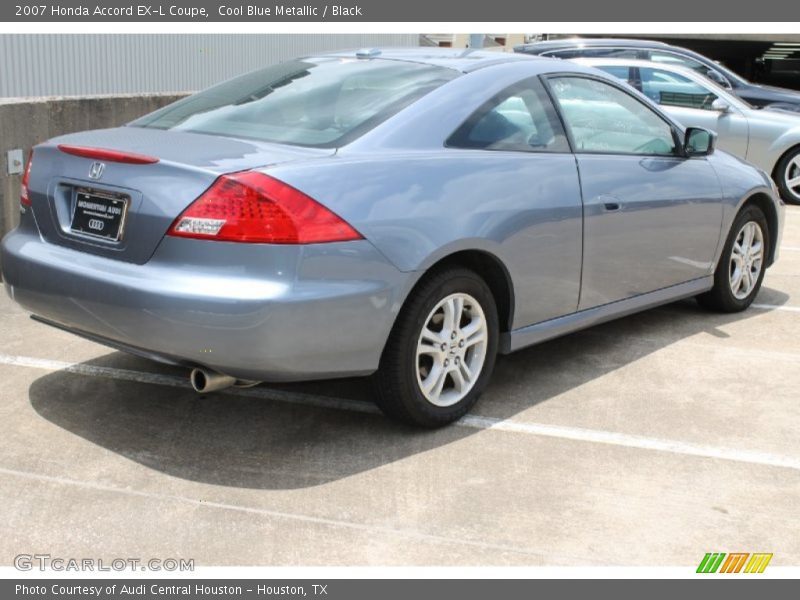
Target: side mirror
(717,78)
(720,105)
(698,141)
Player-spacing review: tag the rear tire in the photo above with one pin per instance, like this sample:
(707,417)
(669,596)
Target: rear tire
(742,264)
(441,352)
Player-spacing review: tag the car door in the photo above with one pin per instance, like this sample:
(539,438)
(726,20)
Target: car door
(517,144)
(652,218)
(692,105)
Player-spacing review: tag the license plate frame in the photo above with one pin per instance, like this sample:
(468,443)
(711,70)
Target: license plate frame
(98,214)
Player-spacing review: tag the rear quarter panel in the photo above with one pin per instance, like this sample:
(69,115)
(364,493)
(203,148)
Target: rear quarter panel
(419,207)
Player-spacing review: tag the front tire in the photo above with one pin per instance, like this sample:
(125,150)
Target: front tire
(787,177)
(742,264)
(441,352)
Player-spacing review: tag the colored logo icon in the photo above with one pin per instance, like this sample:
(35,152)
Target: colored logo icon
(735,562)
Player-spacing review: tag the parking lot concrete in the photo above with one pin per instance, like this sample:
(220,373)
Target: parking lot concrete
(650,440)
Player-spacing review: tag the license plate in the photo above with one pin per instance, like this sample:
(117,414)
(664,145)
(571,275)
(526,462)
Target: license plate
(99,215)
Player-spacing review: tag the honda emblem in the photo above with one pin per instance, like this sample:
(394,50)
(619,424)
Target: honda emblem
(96,170)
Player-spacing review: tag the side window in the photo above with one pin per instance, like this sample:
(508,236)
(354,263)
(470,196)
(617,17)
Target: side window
(521,118)
(671,89)
(668,58)
(618,71)
(713,74)
(603,118)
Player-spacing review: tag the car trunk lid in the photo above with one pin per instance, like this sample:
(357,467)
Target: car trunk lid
(99,204)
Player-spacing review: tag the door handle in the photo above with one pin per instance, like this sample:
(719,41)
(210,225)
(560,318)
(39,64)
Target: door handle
(610,203)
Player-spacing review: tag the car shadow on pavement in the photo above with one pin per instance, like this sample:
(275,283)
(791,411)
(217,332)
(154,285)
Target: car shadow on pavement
(271,442)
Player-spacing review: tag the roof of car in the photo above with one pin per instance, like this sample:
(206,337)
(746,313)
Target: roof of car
(460,59)
(578,41)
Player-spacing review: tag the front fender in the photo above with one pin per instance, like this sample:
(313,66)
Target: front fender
(742,182)
(786,142)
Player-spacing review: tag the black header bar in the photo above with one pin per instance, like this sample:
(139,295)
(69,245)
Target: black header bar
(446,11)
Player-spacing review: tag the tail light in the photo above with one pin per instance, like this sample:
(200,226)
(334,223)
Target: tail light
(253,207)
(24,196)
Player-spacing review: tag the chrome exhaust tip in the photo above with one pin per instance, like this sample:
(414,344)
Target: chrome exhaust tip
(204,381)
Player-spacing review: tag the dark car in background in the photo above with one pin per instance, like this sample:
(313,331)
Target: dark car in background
(757,95)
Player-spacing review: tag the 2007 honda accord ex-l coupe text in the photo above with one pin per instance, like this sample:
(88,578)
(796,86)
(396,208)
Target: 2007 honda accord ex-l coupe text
(405,213)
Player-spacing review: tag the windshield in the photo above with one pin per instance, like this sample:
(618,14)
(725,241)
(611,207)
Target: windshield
(700,64)
(730,74)
(320,102)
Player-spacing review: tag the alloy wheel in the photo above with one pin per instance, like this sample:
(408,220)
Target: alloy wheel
(451,349)
(791,176)
(747,259)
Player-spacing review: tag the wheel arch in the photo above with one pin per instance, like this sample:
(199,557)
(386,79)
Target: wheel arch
(795,148)
(490,268)
(765,203)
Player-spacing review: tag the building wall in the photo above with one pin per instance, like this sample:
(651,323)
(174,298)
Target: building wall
(501,42)
(56,84)
(77,65)
(26,122)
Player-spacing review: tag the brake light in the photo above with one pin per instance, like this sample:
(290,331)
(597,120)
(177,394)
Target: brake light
(253,207)
(24,195)
(130,158)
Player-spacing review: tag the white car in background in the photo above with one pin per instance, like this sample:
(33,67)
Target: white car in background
(768,138)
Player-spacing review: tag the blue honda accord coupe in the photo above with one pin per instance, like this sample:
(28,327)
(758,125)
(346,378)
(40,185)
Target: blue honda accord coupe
(402,213)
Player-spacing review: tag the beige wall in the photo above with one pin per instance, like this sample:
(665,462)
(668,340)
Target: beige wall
(28,121)
(461,40)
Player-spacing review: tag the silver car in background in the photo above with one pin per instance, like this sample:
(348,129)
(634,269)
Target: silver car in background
(405,213)
(766,137)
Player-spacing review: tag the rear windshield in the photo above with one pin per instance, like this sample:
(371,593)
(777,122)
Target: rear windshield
(321,102)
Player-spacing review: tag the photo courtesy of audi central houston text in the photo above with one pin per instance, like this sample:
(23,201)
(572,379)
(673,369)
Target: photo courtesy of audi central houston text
(405,214)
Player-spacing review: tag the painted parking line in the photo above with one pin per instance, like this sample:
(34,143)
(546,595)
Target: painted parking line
(776,307)
(633,441)
(478,422)
(790,248)
(183,382)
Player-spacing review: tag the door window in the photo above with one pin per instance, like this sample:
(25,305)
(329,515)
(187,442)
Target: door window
(603,118)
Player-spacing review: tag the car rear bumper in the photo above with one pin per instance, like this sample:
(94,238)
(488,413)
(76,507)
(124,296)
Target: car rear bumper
(270,313)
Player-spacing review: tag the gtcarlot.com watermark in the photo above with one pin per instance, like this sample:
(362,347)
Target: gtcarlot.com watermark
(47,562)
